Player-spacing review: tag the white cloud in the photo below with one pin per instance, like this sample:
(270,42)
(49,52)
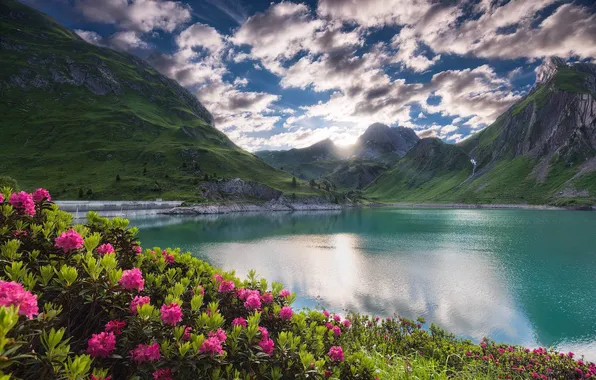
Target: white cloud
(127,40)
(137,15)
(89,36)
(200,35)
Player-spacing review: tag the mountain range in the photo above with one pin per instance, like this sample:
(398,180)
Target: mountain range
(90,122)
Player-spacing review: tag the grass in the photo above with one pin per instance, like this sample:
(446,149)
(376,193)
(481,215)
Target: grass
(150,132)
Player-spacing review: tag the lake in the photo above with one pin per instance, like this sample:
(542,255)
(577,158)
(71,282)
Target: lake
(518,276)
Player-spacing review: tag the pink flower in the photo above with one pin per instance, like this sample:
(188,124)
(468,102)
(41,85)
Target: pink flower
(23,203)
(328,373)
(219,334)
(137,249)
(171,314)
(187,331)
(144,353)
(326,313)
(211,346)
(329,325)
(1,197)
(132,279)
(217,277)
(284,293)
(105,249)
(169,258)
(163,374)
(115,326)
(267,298)
(336,330)
(252,302)
(40,195)
(137,302)
(264,332)
(13,294)
(570,354)
(226,287)
(267,345)
(93,377)
(337,318)
(69,240)
(101,345)
(347,323)
(286,313)
(336,354)
(239,322)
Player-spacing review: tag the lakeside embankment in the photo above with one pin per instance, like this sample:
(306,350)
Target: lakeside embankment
(139,208)
(117,208)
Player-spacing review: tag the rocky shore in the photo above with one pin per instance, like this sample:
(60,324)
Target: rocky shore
(280,204)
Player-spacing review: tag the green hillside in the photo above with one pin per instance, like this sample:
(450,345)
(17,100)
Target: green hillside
(540,151)
(78,117)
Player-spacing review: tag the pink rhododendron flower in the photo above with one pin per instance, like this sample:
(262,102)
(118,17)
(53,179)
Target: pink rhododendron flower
(267,298)
(336,353)
(239,322)
(336,318)
(199,290)
(105,249)
(226,287)
(69,240)
(286,313)
(40,195)
(144,353)
(13,294)
(163,374)
(329,325)
(336,331)
(171,314)
(93,377)
(211,346)
(347,323)
(326,313)
(137,249)
(218,278)
(284,293)
(169,258)
(115,326)
(22,202)
(219,334)
(328,373)
(137,302)
(187,331)
(101,345)
(132,279)
(252,302)
(1,197)
(264,332)
(267,345)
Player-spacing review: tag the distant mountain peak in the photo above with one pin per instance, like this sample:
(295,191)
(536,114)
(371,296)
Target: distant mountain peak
(548,69)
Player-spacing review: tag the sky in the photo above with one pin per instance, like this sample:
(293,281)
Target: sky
(278,75)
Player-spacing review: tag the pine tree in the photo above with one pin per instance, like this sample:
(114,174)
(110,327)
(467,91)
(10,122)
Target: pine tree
(117,177)
(293,181)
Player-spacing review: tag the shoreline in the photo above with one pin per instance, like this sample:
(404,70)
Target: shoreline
(139,208)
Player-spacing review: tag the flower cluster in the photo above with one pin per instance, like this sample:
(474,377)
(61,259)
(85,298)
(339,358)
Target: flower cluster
(101,345)
(13,294)
(137,302)
(171,314)
(69,241)
(146,353)
(40,195)
(132,279)
(105,249)
(22,202)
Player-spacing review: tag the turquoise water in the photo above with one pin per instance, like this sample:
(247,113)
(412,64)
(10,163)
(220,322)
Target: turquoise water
(518,276)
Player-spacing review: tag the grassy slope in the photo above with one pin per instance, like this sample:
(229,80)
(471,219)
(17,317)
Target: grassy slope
(510,180)
(64,137)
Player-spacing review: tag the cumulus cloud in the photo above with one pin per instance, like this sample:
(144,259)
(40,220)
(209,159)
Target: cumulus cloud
(123,41)
(200,35)
(137,15)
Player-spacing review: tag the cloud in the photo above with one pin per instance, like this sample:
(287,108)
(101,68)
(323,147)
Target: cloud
(371,13)
(277,34)
(232,8)
(200,35)
(137,15)
(123,41)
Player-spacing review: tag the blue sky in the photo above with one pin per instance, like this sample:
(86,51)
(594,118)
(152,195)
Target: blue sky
(278,75)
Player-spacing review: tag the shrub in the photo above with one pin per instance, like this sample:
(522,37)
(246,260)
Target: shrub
(77,300)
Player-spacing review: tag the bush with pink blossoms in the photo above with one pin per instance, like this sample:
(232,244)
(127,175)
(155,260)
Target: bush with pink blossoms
(105,249)
(41,195)
(22,203)
(139,314)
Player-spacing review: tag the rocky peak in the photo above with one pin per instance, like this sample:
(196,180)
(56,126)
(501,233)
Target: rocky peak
(548,69)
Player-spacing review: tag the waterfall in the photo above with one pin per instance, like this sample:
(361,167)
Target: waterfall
(473,161)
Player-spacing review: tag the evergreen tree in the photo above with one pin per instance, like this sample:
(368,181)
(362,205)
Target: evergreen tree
(293,181)
(117,177)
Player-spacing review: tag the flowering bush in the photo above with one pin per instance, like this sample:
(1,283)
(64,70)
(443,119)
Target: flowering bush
(86,302)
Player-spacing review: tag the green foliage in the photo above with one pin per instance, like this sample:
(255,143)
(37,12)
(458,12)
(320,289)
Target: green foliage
(6,181)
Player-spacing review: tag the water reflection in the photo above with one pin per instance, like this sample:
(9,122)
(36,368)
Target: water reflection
(516,276)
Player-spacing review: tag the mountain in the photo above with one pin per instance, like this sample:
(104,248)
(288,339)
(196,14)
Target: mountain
(78,118)
(351,167)
(382,143)
(542,150)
